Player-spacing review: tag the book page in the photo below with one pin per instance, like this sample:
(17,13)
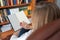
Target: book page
(22,17)
(15,22)
(14,10)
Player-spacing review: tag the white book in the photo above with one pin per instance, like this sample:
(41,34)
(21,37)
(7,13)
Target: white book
(2,3)
(27,2)
(5,28)
(15,20)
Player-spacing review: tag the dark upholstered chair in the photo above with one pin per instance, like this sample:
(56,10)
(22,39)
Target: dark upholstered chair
(51,31)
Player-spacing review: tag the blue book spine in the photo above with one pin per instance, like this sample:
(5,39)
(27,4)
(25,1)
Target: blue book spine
(5,2)
(29,1)
(14,2)
(0,26)
(8,11)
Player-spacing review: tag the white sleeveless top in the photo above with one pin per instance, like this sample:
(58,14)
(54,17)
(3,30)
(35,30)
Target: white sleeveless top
(22,37)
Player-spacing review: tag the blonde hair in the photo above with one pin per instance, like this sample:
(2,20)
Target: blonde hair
(44,13)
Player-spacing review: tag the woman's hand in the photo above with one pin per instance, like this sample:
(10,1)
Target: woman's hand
(25,25)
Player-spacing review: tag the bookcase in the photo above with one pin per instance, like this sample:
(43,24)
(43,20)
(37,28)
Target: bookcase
(30,5)
(9,4)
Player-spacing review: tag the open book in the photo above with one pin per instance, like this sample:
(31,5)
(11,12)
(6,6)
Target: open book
(16,18)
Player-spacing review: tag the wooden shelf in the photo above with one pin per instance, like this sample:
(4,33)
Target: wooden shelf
(4,23)
(14,6)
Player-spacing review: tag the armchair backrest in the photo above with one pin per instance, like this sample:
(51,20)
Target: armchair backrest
(50,31)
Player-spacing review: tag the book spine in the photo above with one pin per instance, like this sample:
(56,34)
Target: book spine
(6,3)
(10,2)
(1,19)
(20,2)
(3,16)
(27,2)
(8,11)
(17,2)
(23,1)
(2,3)
(14,2)
(5,13)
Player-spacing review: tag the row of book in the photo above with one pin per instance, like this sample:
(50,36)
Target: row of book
(4,13)
(13,2)
(15,18)
(3,16)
